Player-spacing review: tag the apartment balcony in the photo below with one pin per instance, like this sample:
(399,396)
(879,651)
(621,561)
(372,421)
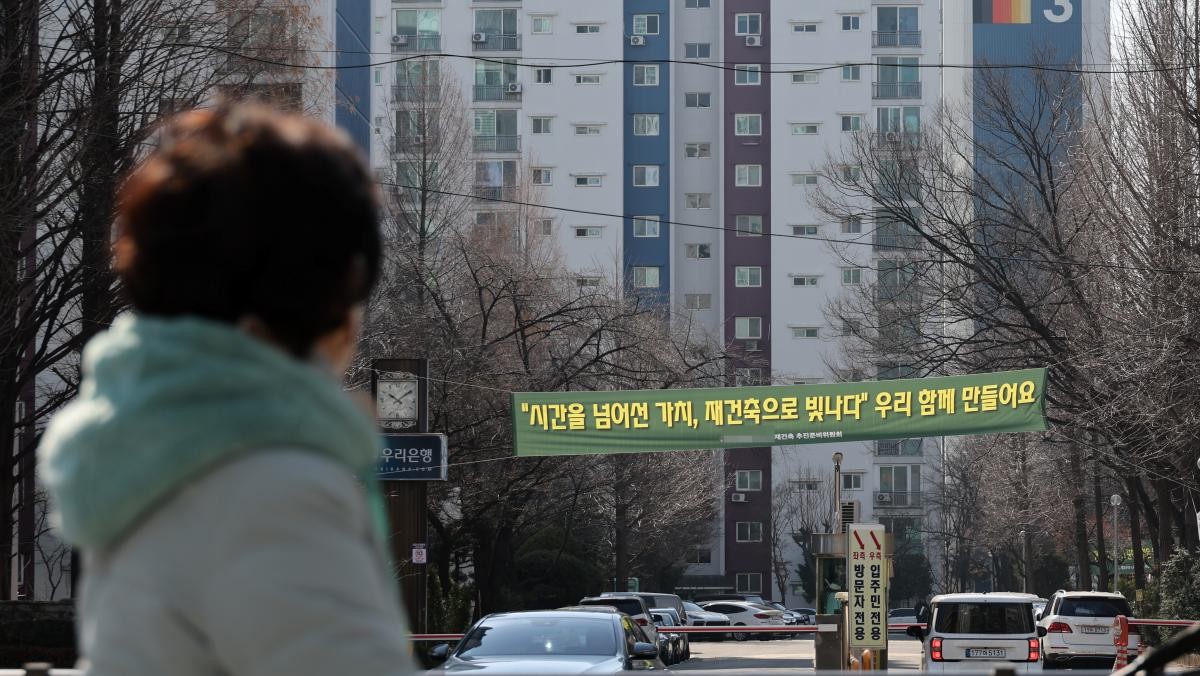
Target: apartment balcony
(893,237)
(416,43)
(416,93)
(896,39)
(489,193)
(907,448)
(897,140)
(494,42)
(504,92)
(496,144)
(896,90)
(897,499)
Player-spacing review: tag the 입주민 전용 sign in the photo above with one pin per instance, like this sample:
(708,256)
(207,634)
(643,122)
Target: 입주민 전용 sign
(634,421)
(866,575)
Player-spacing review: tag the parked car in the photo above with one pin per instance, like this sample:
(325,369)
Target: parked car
(699,617)
(632,605)
(1039,606)
(969,632)
(655,600)
(807,615)
(744,614)
(1079,629)
(902,616)
(789,617)
(750,598)
(564,641)
(670,646)
(685,647)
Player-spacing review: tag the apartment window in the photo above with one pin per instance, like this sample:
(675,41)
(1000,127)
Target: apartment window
(852,481)
(851,276)
(748,225)
(805,128)
(901,479)
(589,231)
(542,176)
(645,226)
(748,479)
(697,100)
(694,151)
(543,226)
(541,25)
(645,277)
(806,332)
(645,24)
(697,50)
(749,583)
(807,27)
(851,22)
(748,24)
(589,181)
(851,73)
(424,23)
(584,28)
(899,77)
(850,327)
(806,78)
(749,531)
(851,122)
(700,555)
(806,485)
(543,75)
(806,280)
(747,124)
(645,175)
(806,180)
(850,173)
(697,301)
(696,4)
(587,78)
(541,125)
(747,276)
(898,119)
(645,124)
(747,74)
(378,76)
(750,376)
(587,130)
(747,175)
(697,251)
(852,225)
(806,230)
(698,200)
(645,75)
(587,284)
(898,27)
(747,328)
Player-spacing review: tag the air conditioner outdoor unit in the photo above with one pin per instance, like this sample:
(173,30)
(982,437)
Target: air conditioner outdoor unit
(478,37)
(850,514)
(883,498)
(754,41)
(512,88)
(637,40)
(737,497)
(399,39)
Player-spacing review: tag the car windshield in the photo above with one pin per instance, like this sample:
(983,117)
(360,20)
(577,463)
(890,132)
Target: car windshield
(540,636)
(984,618)
(1085,607)
(692,607)
(902,611)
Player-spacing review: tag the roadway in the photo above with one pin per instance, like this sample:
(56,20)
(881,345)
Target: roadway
(781,656)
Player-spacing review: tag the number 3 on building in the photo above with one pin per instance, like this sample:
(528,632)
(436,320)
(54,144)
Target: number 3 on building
(1061,12)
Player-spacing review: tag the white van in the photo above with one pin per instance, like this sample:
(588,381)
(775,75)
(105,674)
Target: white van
(969,632)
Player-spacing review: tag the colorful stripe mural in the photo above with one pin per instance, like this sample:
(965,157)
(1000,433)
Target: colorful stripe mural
(1002,11)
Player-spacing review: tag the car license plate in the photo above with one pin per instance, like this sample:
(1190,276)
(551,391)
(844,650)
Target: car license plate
(987,652)
(1092,629)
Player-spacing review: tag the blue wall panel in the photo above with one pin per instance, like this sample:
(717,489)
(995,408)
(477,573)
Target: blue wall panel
(352,86)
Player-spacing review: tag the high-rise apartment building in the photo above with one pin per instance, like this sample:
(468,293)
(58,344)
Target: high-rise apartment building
(702,129)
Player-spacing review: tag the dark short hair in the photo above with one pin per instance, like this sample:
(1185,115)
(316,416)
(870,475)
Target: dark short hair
(245,211)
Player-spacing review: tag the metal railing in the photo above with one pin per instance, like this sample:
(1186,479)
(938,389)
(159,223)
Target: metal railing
(896,39)
(897,139)
(495,192)
(402,42)
(494,42)
(897,499)
(408,93)
(891,238)
(496,144)
(496,93)
(897,90)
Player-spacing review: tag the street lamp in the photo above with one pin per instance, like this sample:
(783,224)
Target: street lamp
(1027,555)
(837,488)
(1115,501)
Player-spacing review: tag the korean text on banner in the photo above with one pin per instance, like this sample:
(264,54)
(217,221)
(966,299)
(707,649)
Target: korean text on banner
(634,421)
(866,573)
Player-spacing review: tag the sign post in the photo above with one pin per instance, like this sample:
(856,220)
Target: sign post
(866,572)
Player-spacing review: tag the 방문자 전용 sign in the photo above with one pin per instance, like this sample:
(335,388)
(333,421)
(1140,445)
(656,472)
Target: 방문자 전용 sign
(866,575)
(634,421)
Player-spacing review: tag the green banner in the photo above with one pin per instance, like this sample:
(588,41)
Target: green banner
(635,421)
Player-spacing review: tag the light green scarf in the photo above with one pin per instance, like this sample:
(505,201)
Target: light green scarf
(165,401)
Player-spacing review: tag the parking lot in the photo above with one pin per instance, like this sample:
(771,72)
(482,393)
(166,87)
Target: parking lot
(781,656)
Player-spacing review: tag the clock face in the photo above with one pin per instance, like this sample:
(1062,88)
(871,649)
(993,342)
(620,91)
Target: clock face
(396,402)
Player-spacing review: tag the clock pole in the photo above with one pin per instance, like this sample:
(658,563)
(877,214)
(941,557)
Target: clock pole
(406,500)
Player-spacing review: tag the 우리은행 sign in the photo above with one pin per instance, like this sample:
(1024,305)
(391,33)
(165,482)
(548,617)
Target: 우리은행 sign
(634,421)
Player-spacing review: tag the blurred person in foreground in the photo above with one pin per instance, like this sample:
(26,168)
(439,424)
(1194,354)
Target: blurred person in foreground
(208,467)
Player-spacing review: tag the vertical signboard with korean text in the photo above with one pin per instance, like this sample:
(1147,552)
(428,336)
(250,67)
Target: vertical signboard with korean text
(866,574)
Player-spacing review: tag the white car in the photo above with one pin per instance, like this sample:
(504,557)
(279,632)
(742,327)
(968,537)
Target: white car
(969,632)
(902,616)
(1079,629)
(745,614)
